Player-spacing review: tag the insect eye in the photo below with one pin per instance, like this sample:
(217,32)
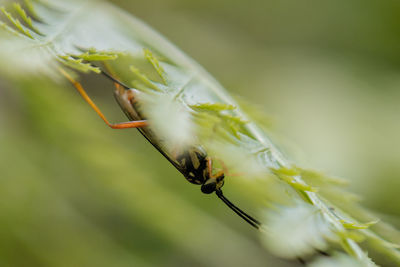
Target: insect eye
(209,186)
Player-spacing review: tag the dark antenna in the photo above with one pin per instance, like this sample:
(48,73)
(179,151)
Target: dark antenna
(250,220)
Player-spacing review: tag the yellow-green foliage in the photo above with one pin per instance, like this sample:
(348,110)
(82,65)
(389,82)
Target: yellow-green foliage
(17,24)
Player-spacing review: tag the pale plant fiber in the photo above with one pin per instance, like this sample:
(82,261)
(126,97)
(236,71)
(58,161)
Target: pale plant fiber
(342,260)
(297,231)
(186,106)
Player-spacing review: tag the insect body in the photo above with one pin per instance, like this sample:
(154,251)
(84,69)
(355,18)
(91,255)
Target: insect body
(193,161)
(196,167)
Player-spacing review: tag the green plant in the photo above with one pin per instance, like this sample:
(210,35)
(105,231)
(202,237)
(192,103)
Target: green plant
(180,97)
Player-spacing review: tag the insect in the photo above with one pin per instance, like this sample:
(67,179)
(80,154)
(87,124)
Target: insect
(193,162)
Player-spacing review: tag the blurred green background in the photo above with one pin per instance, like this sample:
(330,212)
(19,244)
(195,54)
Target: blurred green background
(75,193)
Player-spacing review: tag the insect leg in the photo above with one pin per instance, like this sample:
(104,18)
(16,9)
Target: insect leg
(209,167)
(225,169)
(82,92)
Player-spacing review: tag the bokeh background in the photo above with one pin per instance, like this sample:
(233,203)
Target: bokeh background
(75,193)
